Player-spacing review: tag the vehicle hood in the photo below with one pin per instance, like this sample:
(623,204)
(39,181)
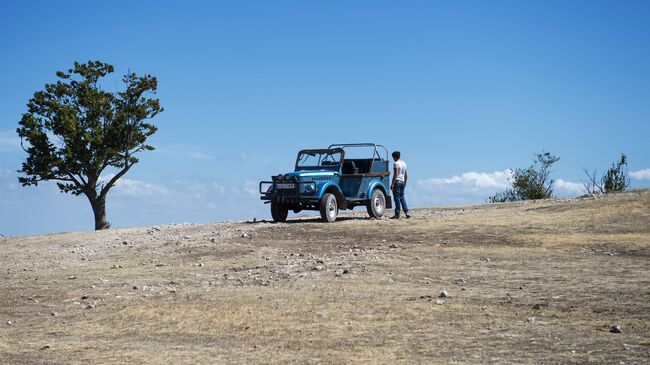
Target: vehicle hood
(311,173)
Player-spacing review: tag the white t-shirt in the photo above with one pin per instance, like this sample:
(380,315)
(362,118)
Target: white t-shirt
(400,167)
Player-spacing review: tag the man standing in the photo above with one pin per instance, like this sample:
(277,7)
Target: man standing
(400,176)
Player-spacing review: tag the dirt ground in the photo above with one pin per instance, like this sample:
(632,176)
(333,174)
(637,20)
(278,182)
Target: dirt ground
(528,283)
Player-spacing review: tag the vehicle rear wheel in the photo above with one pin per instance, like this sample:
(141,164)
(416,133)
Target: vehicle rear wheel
(377,204)
(279,212)
(328,208)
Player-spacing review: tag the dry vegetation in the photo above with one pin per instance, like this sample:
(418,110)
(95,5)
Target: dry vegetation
(535,282)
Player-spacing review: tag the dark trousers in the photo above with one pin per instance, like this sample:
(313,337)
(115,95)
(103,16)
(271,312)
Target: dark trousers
(398,194)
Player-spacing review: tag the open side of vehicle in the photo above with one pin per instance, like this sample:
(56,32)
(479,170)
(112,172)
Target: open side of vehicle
(325,180)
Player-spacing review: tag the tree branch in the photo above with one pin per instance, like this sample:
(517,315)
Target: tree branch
(112,182)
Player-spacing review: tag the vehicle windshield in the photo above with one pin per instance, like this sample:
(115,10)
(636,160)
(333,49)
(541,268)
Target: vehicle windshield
(321,160)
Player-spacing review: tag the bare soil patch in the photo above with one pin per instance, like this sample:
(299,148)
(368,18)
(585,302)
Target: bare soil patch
(531,282)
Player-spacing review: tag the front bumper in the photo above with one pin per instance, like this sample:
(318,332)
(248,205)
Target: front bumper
(295,195)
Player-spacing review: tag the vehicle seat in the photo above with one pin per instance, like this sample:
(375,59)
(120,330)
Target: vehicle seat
(349,167)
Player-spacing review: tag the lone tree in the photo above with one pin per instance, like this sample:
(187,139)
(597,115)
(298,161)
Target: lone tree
(74,131)
(531,183)
(614,180)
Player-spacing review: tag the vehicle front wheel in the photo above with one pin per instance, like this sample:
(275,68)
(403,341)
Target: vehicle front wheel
(328,208)
(377,204)
(279,212)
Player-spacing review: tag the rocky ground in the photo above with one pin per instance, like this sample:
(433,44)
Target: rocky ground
(564,281)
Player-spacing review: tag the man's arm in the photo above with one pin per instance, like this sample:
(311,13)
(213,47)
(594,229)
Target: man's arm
(392,184)
(406,176)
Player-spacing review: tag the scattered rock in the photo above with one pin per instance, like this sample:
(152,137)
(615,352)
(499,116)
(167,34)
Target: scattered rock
(346,271)
(460,281)
(440,302)
(72,277)
(213,240)
(530,319)
(443,294)
(199,264)
(135,287)
(616,329)
(393,246)
(318,268)
(84,297)
(54,314)
(91,306)
(46,347)
(244,235)
(125,243)
(10,323)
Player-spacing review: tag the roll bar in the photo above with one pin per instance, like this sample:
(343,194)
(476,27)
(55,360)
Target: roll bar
(375,146)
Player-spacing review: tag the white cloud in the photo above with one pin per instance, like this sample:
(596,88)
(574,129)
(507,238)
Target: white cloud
(135,188)
(565,188)
(470,187)
(641,174)
(220,189)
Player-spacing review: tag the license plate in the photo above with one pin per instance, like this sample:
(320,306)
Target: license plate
(285,186)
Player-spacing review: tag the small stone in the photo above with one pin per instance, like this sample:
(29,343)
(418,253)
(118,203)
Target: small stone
(46,347)
(244,235)
(71,277)
(488,259)
(530,319)
(91,306)
(318,268)
(125,243)
(9,323)
(443,294)
(616,329)
(54,314)
(213,240)
(393,246)
(135,287)
(346,271)
(200,264)
(84,297)
(440,302)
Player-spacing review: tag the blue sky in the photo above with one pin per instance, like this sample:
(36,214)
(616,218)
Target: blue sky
(465,89)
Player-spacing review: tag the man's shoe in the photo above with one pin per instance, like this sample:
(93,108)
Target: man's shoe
(395,217)
(408,216)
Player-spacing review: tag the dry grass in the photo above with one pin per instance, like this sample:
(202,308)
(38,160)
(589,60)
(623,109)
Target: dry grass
(535,282)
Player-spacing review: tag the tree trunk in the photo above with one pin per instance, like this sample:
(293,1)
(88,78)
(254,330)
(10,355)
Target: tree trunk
(99,209)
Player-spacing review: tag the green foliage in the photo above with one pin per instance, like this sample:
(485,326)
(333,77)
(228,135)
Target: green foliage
(74,130)
(614,180)
(530,183)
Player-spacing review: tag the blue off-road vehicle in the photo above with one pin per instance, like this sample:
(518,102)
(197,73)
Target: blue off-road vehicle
(327,180)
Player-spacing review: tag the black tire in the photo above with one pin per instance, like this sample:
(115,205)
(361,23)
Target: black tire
(279,212)
(377,204)
(328,208)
